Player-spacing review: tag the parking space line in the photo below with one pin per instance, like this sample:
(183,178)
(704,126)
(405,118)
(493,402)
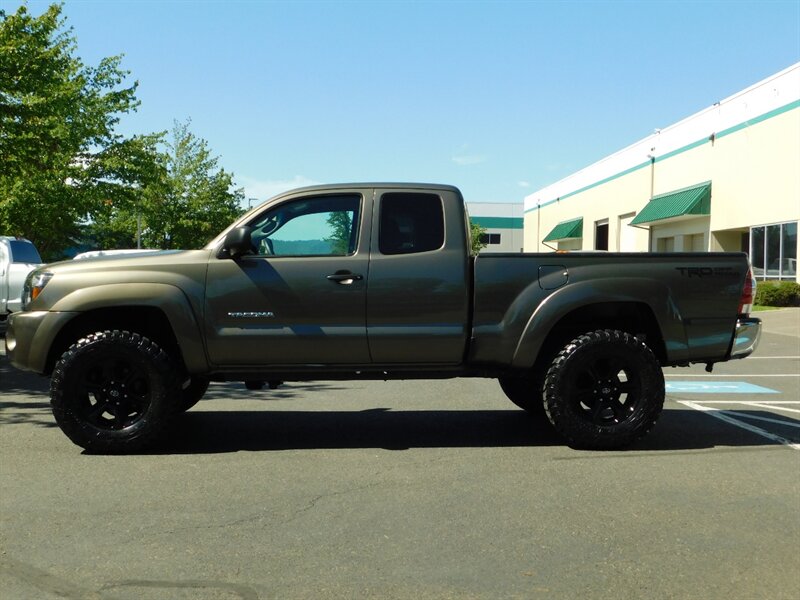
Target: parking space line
(766,402)
(762,405)
(716,387)
(759,418)
(723,416)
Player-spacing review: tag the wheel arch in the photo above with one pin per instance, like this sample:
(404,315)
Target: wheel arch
(645,309)
(159,312)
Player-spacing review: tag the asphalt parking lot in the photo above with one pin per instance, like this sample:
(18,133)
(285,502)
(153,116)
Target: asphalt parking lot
(414,489)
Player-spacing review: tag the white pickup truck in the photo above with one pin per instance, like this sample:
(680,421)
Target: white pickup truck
(18,257)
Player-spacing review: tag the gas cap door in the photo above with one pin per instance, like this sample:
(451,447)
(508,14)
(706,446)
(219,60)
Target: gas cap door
(552,276)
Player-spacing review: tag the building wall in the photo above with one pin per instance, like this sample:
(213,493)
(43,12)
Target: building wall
(747,146)
(500,218)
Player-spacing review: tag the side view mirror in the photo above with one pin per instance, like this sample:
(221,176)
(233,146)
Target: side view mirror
(237,243)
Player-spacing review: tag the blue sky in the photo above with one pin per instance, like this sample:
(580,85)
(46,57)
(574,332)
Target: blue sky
(498,98)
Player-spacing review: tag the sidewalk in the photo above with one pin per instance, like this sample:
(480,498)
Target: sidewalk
(784,321)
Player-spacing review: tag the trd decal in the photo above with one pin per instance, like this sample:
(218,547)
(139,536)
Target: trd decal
(708,272)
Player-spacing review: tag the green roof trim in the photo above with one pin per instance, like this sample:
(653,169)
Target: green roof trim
(692,201)
(566,230)
(499,222)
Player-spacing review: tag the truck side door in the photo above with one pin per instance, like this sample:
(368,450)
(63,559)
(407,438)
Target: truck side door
(418,289)
(301,298)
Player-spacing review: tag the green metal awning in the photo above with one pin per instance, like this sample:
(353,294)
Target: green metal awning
(566,230)
(694,201)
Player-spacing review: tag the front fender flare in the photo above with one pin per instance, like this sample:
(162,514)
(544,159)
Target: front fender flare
(169,299)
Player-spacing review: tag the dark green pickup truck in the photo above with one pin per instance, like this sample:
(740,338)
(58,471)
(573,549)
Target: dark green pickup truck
(375,281)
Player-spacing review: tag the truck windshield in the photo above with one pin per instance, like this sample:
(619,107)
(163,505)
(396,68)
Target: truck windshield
(24,252)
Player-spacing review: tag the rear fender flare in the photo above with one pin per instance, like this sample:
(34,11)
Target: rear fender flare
(568,299)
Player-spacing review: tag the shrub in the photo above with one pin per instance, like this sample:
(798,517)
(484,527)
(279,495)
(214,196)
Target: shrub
(775,293)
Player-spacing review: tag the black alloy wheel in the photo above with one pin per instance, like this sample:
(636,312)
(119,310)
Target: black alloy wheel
(605,389)
(113,392)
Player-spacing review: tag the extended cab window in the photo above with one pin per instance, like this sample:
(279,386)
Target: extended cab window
(411,223)
(321,226)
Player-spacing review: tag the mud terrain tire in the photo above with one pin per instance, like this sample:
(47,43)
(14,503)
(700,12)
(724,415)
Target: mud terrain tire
(604,390)
(113,392)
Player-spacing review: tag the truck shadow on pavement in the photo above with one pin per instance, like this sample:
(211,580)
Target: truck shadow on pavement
(26,413)
(24,400)
(13,381)
(201,431)
(237,391)
(15,386)
(204,432)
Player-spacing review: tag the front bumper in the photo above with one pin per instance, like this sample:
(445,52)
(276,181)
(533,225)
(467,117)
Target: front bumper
(745,337)
(30,337)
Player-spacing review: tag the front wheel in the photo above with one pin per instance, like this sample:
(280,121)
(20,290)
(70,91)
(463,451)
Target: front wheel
(112,392)
(604,390)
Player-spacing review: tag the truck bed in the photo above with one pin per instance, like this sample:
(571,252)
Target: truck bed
(692,297)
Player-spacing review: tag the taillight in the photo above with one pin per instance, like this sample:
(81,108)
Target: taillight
(748,294)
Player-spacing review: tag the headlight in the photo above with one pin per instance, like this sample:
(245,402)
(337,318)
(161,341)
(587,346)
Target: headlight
(34,284)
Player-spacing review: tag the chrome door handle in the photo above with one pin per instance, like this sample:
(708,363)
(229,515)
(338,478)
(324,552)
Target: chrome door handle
(345,277)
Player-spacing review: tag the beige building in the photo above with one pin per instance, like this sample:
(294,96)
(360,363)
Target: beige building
(725,179)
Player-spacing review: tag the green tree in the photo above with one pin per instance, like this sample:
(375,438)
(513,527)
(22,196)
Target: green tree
(194,199)
(476,234)
(341,224)
(61,162)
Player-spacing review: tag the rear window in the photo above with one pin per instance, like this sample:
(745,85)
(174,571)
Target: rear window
(23,252)
(411,223)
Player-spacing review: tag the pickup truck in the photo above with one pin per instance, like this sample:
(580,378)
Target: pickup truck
(375,281)
(18,257)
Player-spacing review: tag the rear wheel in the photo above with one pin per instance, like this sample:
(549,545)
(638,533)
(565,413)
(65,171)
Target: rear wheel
(113,392)
(605,389)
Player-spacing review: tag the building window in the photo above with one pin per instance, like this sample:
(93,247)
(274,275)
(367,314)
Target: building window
(490,238)
(601,235)
(773,251)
